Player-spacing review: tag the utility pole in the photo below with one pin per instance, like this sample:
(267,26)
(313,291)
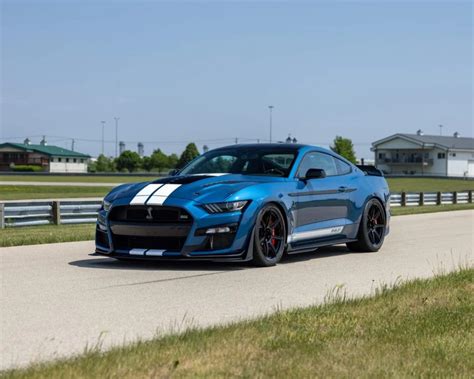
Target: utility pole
(103,132)
(440,129)
(116,135)
(270,107)
(236,140)
(72,144)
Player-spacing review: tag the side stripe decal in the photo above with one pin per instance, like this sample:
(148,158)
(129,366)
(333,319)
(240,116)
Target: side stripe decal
(315,234)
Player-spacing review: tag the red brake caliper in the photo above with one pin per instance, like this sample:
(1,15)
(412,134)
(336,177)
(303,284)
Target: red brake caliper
(274,242)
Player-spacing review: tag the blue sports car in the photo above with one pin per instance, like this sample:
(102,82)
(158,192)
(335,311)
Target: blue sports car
(248,203)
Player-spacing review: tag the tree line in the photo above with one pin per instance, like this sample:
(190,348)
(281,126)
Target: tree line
(130,161)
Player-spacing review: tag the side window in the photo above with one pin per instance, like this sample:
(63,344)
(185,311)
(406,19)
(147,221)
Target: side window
(318,160)
(342,167)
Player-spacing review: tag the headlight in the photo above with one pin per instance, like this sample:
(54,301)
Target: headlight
(232,206)
(106,205)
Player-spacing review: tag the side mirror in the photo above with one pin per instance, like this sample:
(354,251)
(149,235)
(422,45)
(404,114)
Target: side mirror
(315,173)
(173,172)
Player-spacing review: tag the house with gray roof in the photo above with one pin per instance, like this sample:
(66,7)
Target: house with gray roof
(420,154)
(43,156)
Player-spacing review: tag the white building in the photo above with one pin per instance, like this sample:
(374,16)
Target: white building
(419,154)
(46,158)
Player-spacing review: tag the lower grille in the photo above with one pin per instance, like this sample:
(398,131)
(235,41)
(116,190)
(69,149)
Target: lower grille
(160,243)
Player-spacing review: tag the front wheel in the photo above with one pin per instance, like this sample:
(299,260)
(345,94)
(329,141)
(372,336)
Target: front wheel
(372,228)
(269,237)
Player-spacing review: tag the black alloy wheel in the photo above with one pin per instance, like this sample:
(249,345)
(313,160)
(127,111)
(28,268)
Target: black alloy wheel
(372,228)
(269,237)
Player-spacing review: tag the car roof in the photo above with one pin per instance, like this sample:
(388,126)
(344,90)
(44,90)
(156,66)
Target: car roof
(273,146)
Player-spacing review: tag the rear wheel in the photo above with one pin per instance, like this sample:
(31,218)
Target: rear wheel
(269,237)
(372,228)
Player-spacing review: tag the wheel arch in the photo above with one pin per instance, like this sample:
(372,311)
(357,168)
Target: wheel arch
(284,212)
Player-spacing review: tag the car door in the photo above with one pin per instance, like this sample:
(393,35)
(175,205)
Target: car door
(321,206)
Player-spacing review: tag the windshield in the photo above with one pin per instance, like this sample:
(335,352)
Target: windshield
(252,161)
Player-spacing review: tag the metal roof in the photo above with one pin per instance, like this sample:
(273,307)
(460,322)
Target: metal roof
(54,151)
(447,142)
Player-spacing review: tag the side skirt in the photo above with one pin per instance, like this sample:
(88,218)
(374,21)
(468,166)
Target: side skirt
(315,245)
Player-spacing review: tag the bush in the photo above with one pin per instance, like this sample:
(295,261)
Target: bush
(27,168)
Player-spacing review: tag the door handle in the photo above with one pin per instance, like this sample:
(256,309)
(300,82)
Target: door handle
(342,189)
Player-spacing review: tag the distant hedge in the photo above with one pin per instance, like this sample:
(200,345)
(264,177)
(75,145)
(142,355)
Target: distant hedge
(27,168)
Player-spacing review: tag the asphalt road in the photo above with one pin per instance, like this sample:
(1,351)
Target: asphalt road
(56,299)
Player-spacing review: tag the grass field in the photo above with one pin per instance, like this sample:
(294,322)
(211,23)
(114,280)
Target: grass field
(76,178)
(424,328)
(396,184)
(429,184)
(32,235)
(50,192)
(400,211)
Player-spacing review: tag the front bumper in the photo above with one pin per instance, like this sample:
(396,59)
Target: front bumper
(172,241)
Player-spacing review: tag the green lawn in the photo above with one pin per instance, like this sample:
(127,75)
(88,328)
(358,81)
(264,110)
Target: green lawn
(396,184)
(76,178)
(399,211)
(50,192)
(32,235)
(424,328)
(429,185)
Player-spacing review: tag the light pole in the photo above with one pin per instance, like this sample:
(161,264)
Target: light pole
(270,107)
(116,135)
(103,131)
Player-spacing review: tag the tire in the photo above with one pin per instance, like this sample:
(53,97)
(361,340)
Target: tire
(269,237)
(372,228)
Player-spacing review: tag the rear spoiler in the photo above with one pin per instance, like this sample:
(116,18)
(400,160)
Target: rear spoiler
(370,170)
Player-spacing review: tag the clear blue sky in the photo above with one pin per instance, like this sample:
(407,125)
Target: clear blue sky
(179,72)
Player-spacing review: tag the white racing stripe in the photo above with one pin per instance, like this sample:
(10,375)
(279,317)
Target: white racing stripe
(155,253)
(137,252)
(213,174)
(145,193)
(159,197)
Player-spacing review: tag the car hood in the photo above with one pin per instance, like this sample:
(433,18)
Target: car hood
(200,188)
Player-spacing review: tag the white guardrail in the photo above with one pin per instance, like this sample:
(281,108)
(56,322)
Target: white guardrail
(28,213)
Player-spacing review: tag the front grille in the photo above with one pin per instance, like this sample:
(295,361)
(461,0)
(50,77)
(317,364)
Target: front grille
(152,218)
(160,243)
(150,214)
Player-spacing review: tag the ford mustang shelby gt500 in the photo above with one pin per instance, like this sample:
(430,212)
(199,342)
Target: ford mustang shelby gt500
(247,203)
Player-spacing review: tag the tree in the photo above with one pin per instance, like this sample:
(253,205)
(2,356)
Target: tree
(147,163)
(102,164)
(189,153)
(173,161)
(345,148)
(128,161)
(159,160)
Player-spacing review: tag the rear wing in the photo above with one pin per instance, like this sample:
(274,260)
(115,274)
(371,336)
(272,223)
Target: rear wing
(370,170)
